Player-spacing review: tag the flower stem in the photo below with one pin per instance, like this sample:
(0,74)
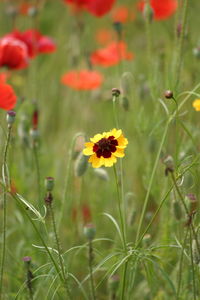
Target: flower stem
(6,186)
(193,268)
(186,210)
(37,165)
(151,180)
(181,265)
(58,248)
(114,99)
(123,233)
(90,261)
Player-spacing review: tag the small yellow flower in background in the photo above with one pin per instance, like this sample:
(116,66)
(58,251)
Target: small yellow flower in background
(105,148)
(196,104)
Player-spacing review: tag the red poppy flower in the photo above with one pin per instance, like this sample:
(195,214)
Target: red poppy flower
(104,36)
(111,55)
(35,41)
(82,80)
(162,9)
(122,14)
(97,8)
(8,98)
(13,53)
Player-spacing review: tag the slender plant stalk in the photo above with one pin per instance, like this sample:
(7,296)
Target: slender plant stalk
(6,186)
(181,265)
(179,48)
(58,248)
(151,181)
(186,210)
(90,261)
(193,268)
(37,165)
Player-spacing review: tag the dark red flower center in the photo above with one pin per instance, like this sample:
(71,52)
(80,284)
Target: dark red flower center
(105,147)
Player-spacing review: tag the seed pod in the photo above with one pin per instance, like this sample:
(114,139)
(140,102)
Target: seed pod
(177,210)
(81,165)
(89,231)
(49,184)
(10,117)
(148,12)
(101,173)
(116,92)
(125,103)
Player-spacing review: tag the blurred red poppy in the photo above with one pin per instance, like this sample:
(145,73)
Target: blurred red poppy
(82,80)
(122,14)
(86,213)
(13,53)
(97,8)
(111,55)
(24,8)
(162,9)
(104,36)
(8,98)
(36,42)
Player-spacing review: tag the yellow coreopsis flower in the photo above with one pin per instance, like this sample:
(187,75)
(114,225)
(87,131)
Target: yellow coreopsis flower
(196,104)
(105,148)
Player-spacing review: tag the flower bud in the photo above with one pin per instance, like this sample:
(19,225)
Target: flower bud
(49,184)
(101,173)
(89,231)
(113,283)
(168,94)
(116,92)
(191,202)
(148,12)
(34,133)
(10,117)
(26,259)
(117,27)
(169,163)
(125,103)
(81,165)
(196,52)
(48,198)
(32,11)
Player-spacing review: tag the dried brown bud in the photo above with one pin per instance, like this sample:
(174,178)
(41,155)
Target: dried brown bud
(116,92)
(168,94)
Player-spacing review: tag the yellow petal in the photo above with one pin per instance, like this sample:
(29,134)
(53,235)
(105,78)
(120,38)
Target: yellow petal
(95,161)
(88,151)
(108,162)
(89,145)
(96,138)
(116,133)
(119,152)
(122,142)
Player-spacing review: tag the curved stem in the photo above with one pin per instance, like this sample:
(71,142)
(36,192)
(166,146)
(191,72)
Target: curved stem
(5,176)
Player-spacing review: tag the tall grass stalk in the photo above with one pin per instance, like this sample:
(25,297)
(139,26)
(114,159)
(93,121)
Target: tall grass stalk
(6,186)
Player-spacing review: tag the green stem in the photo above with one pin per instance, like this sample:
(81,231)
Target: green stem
(123,233)
(193,269)
(37,165)
(151,180)
(4,208)
(179,50)
(186,210)
(58,248)
(90,261)
(114,100)
(181,265)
